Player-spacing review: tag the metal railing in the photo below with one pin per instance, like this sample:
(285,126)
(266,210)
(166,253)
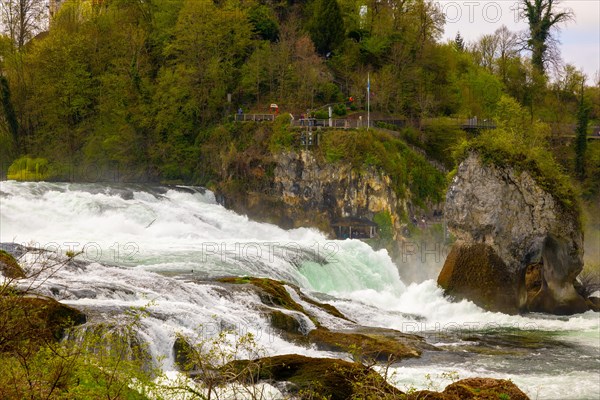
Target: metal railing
(339,123)
(254,117)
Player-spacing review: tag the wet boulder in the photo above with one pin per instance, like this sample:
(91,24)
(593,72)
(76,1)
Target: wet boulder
(9,267)
(504,221)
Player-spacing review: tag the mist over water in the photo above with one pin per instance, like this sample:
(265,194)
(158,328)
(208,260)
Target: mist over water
(162,246)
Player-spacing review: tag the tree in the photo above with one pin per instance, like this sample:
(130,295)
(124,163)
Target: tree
(543,18)
(459,42)
(326,26)
(264,21)
(23,19)
(583,115)
(8,111)
(507,50)
(486,50)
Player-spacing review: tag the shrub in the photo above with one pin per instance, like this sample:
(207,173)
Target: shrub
(321,114)
(328,92)
(30,169)
(283,136)
(440,137)
(339,110)
(384,224)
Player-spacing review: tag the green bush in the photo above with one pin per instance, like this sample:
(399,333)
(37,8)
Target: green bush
(441,136)
(328,92)
(384,224)
(339,110)
(30,169)
(321,114)
(283,136)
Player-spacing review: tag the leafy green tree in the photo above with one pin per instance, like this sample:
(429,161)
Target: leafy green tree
(61,75)
(326,26)
(264,22)
(204,64)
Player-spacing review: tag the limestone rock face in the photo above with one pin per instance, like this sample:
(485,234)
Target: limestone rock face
(333,189)
(522,224)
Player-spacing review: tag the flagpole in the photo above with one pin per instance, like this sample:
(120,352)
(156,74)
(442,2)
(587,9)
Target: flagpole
(368,100)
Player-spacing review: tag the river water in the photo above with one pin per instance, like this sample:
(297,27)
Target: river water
(160,247)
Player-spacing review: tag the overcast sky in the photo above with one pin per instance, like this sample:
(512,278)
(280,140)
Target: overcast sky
(580,39)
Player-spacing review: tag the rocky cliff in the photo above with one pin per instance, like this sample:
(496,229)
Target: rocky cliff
(505,224)
(335,191)
(306,191)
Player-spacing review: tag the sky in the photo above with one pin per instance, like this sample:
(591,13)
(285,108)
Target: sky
(580,39)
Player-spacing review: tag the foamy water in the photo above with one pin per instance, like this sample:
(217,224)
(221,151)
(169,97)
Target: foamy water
(156,247)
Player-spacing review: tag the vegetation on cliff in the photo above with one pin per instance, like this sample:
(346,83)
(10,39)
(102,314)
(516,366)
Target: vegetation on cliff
(129,89)
(408,170)
(521,143)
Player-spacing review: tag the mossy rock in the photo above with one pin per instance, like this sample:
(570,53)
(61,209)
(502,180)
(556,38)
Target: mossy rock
(484,389)
(54,315)
(36,320)
(473,389)
(475,272)
(9,267)
(326,307)
(365,346)
(381,346)
(328,378)
(426,395)
(285,322)
(181,353)
(273,292)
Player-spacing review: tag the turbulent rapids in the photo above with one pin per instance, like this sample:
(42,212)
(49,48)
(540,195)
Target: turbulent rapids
(163,248)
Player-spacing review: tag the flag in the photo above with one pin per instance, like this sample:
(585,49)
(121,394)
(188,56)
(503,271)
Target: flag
(368,83)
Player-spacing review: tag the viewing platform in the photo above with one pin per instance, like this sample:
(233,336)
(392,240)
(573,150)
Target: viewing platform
(354,228)
(473,125)
(254,117)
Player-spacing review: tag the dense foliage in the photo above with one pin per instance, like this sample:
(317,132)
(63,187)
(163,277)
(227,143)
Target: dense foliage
(133,88)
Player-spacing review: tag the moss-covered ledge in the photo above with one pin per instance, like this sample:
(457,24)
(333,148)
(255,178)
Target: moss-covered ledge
(362,343)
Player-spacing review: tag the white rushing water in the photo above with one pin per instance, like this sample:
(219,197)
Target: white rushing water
(157,247)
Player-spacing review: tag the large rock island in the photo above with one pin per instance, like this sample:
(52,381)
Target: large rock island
(518,247)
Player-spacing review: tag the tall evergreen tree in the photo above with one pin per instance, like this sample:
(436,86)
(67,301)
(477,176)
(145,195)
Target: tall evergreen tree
(459,42)
(326,26)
